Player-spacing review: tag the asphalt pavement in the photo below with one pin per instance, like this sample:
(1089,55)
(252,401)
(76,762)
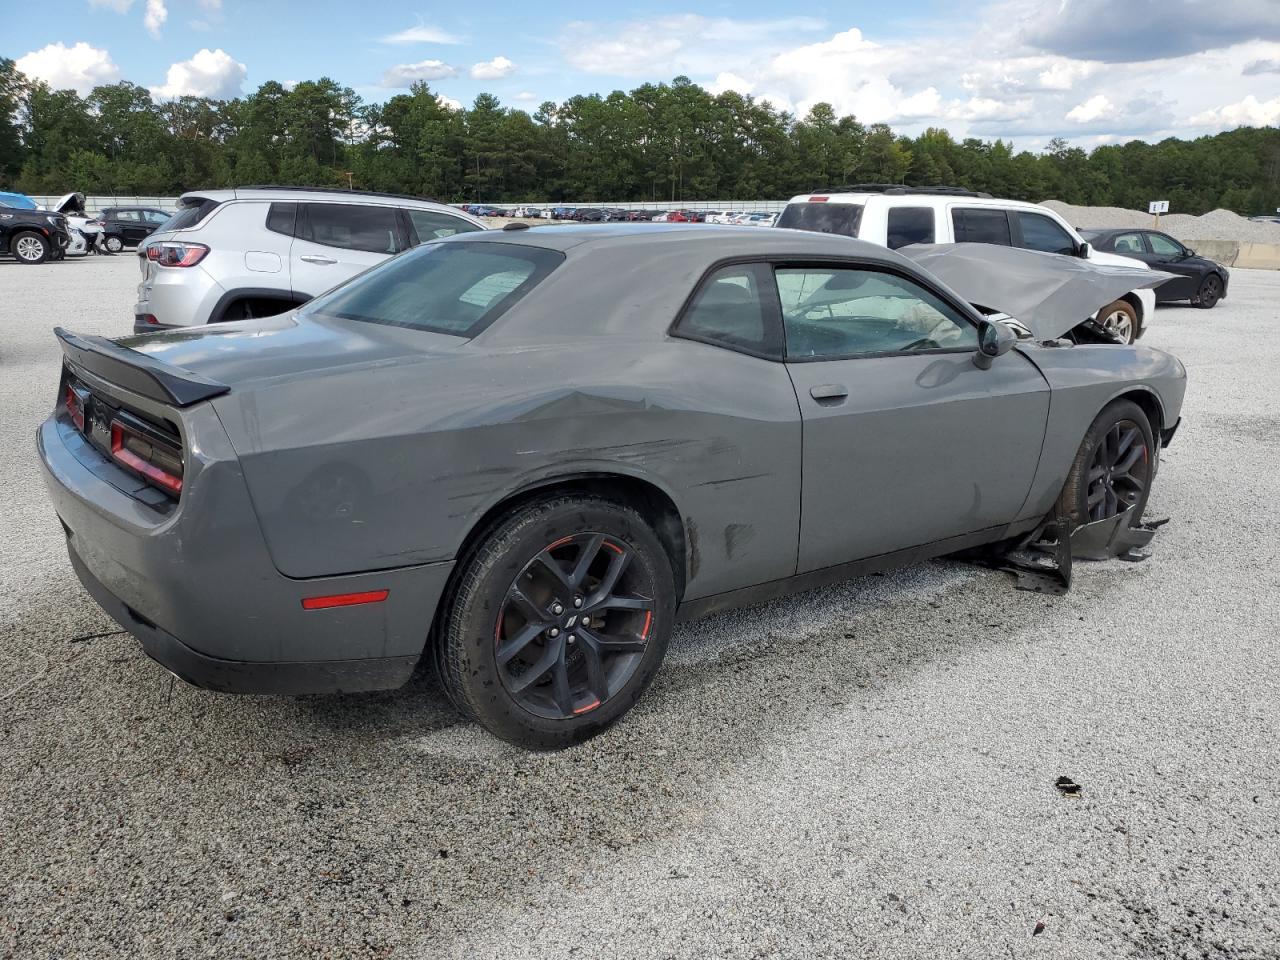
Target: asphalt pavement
(866,770)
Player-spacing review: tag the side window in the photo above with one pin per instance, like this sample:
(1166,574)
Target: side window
(837,312)
(282,217)
(430,225)
(732,307)
(1042,233)
(1163,245)
(156,216)
(981,225)
(910,225)
(352,227)
(1129,243)
(130,216)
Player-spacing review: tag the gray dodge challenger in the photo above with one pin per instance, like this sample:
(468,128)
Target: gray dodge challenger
(526,453)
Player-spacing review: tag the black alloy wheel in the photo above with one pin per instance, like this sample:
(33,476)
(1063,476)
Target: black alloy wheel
(573,626)
(556,619)
(1119,471)
(1210,292)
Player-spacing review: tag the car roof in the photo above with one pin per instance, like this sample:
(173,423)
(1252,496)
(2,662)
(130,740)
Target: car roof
(911,199)
(708,242)
(317,195)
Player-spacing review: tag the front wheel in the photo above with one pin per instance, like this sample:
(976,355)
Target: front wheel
(1120,320)
(1210,292)
(31,248)
(114,244)
(558,621)
(1114,467)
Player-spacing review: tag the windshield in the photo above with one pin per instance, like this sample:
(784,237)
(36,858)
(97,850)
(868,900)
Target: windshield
(17,201)
(841,218)
(453,288)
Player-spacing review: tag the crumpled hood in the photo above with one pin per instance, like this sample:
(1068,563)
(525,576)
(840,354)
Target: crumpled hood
(284,346)
(1047,292)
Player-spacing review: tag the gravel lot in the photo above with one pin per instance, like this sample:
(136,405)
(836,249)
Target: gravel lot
(866,770)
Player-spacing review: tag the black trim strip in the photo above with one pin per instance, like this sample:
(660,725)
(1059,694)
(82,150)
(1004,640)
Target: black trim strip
(136,371)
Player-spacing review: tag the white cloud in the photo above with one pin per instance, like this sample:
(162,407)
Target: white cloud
(1249,112)
(116,6)
(494,69)
(210,73)
(157,13)
(79,67)
(1095,108)
(406,74)
(526,96)
(680,43)
(211,4)
(1064,74)
(448,102)
(420,34)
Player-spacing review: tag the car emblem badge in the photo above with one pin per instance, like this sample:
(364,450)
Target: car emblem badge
(571,621)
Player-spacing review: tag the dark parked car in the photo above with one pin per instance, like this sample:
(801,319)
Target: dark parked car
(1200,280)
(27,233)
(129,226)
(591,215)
(413,465)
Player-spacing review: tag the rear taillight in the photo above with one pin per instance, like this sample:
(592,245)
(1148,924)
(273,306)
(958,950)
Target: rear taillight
(156,460)
(74,408)
(176,254)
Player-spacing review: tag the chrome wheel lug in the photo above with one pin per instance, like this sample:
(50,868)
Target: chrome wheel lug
(557,608)
(553,632)
(573,638)
(577,601)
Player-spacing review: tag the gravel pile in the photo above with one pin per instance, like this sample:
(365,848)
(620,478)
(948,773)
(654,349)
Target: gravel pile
(1214,225)
(866,770)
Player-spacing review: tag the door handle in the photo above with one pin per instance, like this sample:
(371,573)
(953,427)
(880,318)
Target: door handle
(829,392)
(312,258)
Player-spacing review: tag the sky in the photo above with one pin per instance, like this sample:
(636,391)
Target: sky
(1092,71)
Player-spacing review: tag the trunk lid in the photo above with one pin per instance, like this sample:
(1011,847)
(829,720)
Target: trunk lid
(285,346)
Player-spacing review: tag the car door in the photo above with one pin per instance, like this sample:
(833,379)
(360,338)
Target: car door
(1169,255)
(129,226)
(335,241)
(906,440)
(1036,231)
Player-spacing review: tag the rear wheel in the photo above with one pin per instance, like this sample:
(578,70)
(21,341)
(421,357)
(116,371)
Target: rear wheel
(31,248)
(1120,320)
(114,244)
(1114,467)
(558,621)
(1210,292)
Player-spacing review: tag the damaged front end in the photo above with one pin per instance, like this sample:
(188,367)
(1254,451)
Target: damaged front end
(1041,561)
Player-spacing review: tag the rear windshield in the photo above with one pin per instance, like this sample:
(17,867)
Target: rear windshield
(453,288)
(841,218)
(190,212)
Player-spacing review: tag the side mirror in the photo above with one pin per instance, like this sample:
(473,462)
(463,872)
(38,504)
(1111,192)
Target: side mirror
(1084,250)
(994,340)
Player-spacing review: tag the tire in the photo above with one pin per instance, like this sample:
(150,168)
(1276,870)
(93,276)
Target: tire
(1090,495)
(1210,292)
(1121,319)
(30,248)
(495,650)
(114,244)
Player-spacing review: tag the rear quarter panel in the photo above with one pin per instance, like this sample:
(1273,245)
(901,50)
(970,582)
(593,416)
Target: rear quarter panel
(367,468)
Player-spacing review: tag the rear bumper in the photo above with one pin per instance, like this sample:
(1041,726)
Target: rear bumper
(245,676)
(193,580)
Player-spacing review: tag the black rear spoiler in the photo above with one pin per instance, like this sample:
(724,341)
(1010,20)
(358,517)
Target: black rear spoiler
(136,371)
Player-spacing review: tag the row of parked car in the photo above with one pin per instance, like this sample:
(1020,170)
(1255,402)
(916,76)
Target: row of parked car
(258,251)
(622,215)
(33,234)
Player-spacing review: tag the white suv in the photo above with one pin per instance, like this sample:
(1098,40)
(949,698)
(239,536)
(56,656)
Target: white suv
(258,251)
(893,216)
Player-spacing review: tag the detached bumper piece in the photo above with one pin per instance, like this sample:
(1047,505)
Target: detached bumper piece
(1041,561)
